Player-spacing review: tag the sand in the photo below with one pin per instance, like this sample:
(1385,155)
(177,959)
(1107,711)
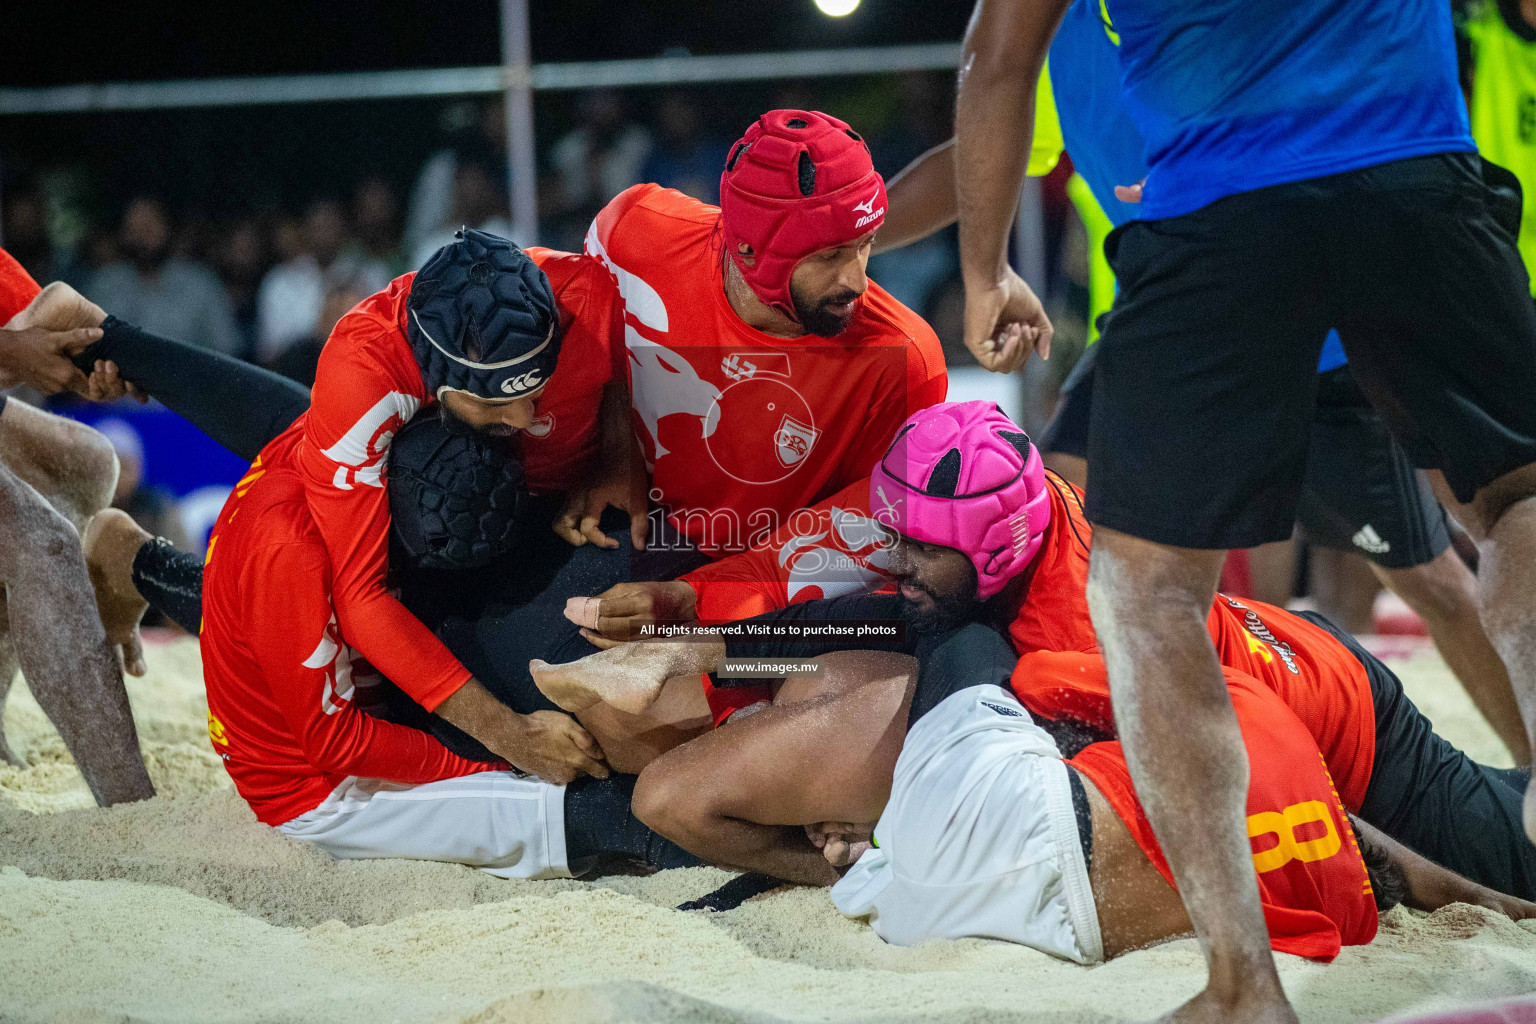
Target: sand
(184,908)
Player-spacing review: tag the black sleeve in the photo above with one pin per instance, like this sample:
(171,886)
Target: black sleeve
(969,655)
(240,406)
(849,607)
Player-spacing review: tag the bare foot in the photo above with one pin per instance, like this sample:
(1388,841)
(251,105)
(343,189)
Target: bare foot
(111,541)
(628,677)
(1206,1008)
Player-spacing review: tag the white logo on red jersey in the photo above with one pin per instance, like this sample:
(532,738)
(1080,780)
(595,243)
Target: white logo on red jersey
(760,430)
(336,658)
(360,451)
(794,440)
(849,562)
(664,384)
(542,426)
(639,297)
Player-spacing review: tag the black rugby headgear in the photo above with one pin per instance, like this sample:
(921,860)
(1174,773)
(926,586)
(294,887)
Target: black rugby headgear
(454,498)
(481,318)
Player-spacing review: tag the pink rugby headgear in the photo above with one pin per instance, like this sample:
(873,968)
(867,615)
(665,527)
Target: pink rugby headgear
(796,183)
(963,475)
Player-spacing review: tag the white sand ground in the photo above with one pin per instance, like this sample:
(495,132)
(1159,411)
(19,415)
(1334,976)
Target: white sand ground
(185,909)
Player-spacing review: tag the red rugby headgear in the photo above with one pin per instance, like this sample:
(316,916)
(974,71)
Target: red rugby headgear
(797,182)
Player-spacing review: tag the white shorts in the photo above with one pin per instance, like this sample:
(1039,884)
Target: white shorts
(505,824)
(979,838)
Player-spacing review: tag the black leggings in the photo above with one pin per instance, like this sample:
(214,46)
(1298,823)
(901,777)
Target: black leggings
(1433,798)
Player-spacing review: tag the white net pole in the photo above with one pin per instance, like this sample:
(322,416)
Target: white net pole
(522,167)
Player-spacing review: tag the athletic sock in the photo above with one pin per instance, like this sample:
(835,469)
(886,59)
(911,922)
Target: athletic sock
(171,581)
(240,406)
(599,823)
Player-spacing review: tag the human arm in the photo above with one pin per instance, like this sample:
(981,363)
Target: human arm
(44,329)
(1429,886)
(920,199)
(619,479)
(1000,63)
(355,413)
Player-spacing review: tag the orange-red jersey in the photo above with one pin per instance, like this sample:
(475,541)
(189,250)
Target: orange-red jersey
(1312,879)
(741,428)
(367,386)
(1312,674)
(835,548)
(16,287)
(280,679)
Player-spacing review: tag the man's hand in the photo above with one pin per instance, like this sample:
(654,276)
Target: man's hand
(105,385)
(59,307)
(841,842)
(619,480)
(546,743)
(618,613)
(623,486)
(1004,322)
(553,746)
(41,357)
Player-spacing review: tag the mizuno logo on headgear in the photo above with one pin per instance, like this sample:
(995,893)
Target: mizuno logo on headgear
(867,208)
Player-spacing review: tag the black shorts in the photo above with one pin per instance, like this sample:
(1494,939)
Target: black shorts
(1360,492)
(1201,419)
(1436,800)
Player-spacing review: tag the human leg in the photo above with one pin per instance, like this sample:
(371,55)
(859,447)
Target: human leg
(1445,595)
(1204,393)
(1177,725)
(1434,799)
(741,795)
(68,463)
(61,646)
(503,823)
(1441,334)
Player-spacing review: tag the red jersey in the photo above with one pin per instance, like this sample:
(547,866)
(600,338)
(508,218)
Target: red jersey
(1321,683)
(16,287)
(741,428)
(835,548)
(280,680)
(367,386)
(1312,879)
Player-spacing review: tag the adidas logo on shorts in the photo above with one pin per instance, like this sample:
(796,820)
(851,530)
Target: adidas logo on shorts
(1001,709)
(1369,540)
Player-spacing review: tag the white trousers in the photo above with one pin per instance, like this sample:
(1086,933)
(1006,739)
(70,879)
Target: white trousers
(979,838)
(510,826)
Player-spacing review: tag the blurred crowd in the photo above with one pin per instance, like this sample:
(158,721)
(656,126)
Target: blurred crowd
(267,283)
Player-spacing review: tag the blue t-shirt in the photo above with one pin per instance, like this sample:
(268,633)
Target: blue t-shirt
(1098,134)
(1235,95)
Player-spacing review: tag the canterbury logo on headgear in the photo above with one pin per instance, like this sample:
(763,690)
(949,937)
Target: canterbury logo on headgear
(485,366)
(523,382)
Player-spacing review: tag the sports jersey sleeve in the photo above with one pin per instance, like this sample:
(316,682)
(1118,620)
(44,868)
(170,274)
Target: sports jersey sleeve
(355,411)
(16,287)
(831,549)
(1065,685)
(311,682)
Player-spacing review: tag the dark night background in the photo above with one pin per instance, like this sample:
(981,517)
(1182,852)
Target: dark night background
(216,158)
